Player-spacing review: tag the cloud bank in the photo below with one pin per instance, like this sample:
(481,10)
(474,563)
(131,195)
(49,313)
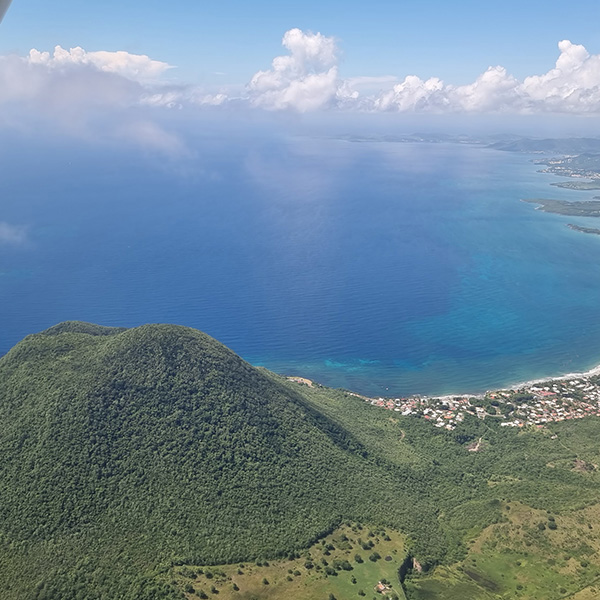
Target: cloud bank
(93,95)
(307,79)
(73,86)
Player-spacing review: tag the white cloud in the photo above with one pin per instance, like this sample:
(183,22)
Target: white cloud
(211,99)
(573,86)
(368,81)
(39,86)
(306,79)
(137,67)
(494,90)
(73,87)
(67,83)
(412,94)
(93,95)
(12,234)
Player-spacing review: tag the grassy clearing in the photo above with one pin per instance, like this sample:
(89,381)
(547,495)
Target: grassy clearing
(530,554)
(447,585)
(350,561)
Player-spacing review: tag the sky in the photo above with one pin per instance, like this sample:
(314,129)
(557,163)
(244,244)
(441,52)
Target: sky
(452,40)
(69,61)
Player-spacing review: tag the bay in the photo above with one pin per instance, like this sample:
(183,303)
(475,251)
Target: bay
(385,268)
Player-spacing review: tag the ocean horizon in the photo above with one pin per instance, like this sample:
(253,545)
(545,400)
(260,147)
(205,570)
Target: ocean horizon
(384,268)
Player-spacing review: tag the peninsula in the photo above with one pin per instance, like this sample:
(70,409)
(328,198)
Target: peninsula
(584,186)
(592,230)
(590,208)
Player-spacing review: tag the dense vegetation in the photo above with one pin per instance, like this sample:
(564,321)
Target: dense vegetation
(125,452)
(128,449)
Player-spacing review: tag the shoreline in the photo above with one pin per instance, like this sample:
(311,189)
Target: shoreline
(517,386)
(594,371)
(567,377)
(533,403)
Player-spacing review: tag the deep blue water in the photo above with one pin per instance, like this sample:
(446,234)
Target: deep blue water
(379,267)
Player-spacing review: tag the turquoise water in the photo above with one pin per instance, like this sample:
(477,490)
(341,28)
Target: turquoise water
(379,267)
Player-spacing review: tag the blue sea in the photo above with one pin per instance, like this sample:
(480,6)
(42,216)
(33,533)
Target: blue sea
(385,268)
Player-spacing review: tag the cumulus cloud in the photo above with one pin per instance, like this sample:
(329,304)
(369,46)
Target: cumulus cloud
(412,94)
(308,79)
(493,91)
(137,67)
(573,86)
(305,79)
(12,234)
(74,86)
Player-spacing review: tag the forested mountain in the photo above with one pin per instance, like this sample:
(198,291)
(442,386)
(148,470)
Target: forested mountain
(127,451)
(128,448)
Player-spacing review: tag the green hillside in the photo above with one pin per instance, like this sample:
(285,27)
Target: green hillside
(126,449)
(130,453)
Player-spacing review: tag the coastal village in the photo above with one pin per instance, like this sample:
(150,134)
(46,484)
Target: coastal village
(530,405)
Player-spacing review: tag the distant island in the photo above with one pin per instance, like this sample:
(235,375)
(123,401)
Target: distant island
(578,185)
(589,208)
(567,147)
(591,230)
(557,146)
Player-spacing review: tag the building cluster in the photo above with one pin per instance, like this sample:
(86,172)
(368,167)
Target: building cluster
(442,412)
(552,401)
(570,166)
(529,405)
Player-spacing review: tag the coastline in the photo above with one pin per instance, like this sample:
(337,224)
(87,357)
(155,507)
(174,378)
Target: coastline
(533,403)
(567,377)
(594,371)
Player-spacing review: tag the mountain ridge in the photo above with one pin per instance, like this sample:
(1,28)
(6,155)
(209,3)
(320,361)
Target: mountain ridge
(162,436)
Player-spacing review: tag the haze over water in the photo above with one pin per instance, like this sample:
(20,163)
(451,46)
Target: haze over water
(384,268)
